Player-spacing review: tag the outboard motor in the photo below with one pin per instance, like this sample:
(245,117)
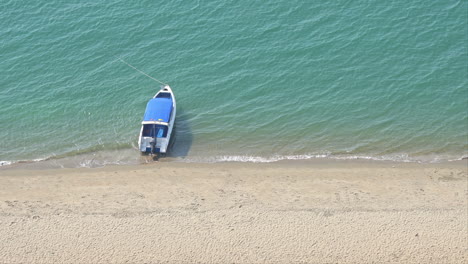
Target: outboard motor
(153,146)
(153,141)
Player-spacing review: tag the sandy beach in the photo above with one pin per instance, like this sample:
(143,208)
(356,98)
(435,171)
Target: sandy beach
(320,211)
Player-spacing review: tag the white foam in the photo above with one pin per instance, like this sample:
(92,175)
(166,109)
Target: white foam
(259,159)
(104,158)
(253,159)
(5,162)
(10,162)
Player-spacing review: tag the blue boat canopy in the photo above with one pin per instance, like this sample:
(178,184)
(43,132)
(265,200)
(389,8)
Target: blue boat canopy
(158,109)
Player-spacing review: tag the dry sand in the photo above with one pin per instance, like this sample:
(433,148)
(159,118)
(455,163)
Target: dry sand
(284,212)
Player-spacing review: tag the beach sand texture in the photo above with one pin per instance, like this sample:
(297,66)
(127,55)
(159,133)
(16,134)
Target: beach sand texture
(283,212)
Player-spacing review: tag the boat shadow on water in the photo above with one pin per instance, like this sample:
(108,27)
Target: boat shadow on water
(182,136)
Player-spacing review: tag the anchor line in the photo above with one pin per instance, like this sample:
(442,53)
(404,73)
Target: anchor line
(142,72)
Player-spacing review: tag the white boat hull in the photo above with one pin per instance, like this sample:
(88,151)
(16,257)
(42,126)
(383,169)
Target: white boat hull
(152,143)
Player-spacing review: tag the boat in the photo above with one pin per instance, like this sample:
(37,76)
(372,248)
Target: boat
(158,122)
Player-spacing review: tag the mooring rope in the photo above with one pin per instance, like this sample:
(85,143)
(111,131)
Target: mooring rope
(141,71)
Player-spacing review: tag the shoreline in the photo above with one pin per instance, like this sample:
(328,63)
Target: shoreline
(236,212)
(53,164)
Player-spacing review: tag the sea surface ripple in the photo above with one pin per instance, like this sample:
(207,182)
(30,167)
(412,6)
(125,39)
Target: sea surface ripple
(256,82)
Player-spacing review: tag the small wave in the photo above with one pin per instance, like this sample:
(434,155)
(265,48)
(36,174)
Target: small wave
(93,149)
(130,156)
(5,162)
(258,159)
(10,162)
(252,159)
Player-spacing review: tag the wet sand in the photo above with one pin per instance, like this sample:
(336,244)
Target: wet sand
(284,212)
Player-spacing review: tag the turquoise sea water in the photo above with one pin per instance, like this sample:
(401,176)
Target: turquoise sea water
(254,80)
